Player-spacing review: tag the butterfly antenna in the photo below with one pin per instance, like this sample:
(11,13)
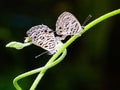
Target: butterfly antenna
(86,20)
(41,54)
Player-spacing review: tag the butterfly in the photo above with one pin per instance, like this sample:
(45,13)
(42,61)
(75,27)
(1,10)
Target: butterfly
(43,36)
(67,25)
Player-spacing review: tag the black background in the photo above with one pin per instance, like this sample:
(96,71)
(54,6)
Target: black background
(92,61)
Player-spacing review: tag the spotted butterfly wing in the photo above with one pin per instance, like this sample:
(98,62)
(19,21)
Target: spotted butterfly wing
(67,24)
(43,36)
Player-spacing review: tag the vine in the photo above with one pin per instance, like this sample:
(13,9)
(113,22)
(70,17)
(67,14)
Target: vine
(56,58)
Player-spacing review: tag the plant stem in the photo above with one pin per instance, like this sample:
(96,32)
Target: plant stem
(37,80)
(47,66)
(100,19)
(72,39)
(52,62)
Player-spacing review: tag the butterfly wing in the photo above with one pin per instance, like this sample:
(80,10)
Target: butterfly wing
(43,36)
(67,24)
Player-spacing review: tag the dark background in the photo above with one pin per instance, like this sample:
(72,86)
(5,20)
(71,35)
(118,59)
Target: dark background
(92,62)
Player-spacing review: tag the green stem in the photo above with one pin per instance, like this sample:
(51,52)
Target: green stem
(37,80)
(47,66)
(52,61)
(24,75)
(72,39)
(100,19)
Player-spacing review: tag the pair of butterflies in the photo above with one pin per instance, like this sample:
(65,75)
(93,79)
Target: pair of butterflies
(43,36)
